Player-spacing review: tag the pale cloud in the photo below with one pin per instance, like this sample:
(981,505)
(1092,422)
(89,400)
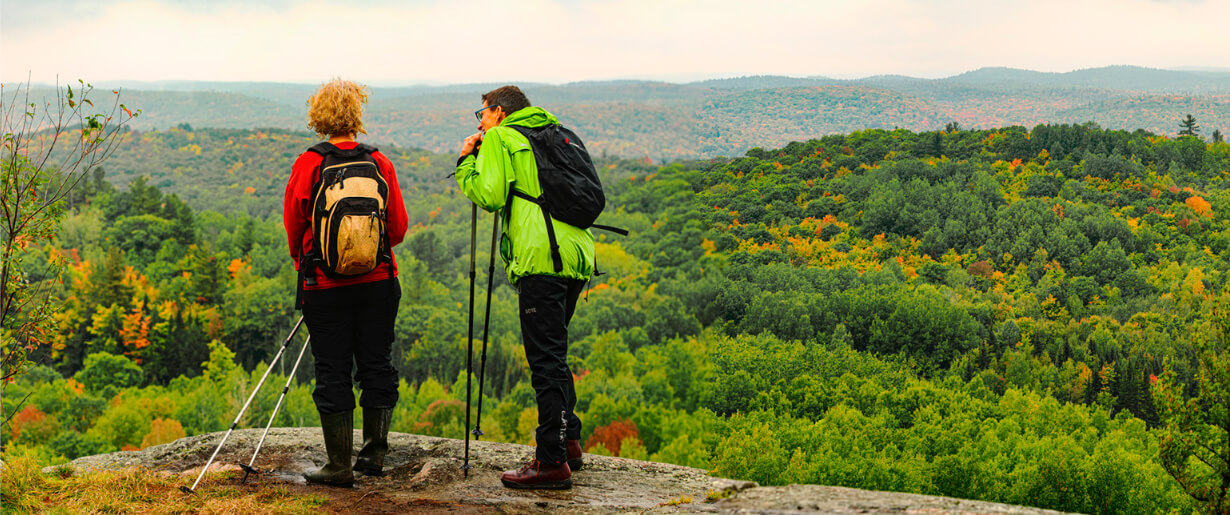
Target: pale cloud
(558,41)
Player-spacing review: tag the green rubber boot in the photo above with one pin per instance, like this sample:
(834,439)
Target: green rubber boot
(339,439)
(376,423)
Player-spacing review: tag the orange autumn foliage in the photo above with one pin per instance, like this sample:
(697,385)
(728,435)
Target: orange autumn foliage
(1199,205)
(135,330)
(77,388)
(163,430)
(235,266)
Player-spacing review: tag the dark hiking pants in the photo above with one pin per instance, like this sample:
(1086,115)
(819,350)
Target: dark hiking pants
(547,304)
(352,328)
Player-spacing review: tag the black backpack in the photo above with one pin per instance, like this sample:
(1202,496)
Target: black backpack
(571,190)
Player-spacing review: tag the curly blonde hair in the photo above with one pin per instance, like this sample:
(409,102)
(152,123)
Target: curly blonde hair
(336,109)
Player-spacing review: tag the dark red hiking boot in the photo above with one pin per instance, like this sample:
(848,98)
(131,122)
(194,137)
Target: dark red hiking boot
(537,475)
(574,454)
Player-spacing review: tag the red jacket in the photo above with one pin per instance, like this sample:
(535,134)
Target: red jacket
(296,216)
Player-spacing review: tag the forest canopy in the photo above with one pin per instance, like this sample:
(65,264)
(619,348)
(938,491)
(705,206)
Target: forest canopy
(971,313)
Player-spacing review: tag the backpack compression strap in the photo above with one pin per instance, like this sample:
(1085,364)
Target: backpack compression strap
(616,230)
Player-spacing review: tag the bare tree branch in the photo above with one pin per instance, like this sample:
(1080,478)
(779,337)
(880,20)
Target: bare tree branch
(49,146)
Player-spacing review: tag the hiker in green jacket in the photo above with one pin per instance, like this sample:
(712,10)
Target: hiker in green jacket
(494,161)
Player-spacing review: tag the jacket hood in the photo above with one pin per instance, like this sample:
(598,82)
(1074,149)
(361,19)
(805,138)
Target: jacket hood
(530,117)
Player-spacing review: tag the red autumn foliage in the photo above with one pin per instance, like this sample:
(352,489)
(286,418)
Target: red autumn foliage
(981,269)
(26,417)
(611,435)
(441,411)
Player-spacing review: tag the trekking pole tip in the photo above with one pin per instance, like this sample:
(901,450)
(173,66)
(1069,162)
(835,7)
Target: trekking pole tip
(187,490)
(247,470)
(477,432)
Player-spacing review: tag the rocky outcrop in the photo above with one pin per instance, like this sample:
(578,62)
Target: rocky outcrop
(424,475)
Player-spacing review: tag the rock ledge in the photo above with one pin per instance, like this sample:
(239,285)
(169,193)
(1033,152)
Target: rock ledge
(423,474)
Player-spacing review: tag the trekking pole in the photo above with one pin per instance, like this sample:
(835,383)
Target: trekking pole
(470,340)
(276,357)
(247,469)
(482,366)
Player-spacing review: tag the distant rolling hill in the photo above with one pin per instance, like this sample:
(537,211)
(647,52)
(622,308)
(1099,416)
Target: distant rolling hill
(1154,113)
(667,121)
(1132,78)
(163,109)
(773,117)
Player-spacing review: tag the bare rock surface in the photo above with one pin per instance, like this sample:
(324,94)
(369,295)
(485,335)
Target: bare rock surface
(423,474)
(839,500)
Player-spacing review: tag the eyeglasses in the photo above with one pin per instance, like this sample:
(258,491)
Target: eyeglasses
(479,113)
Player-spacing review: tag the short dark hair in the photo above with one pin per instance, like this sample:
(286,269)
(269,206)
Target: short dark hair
(509,98)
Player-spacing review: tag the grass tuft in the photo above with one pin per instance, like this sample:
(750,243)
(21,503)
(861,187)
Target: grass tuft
(683,499)
(20,483)
(25,489)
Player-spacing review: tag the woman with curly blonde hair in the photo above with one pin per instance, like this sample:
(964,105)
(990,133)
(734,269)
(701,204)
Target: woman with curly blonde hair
(336,109)
(349,311)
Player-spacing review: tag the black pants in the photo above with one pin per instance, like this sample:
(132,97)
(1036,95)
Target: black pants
(547,304)
(352,326)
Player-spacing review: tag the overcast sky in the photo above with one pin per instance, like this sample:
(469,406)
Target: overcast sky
(425,41)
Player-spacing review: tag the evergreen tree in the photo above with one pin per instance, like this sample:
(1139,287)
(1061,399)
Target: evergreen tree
(1218,137)
(1188,126)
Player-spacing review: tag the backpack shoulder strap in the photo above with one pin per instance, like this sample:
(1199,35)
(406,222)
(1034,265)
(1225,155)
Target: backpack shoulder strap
(557,261)
(525,131)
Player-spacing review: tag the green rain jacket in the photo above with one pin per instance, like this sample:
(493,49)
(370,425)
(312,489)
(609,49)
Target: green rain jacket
(505,160)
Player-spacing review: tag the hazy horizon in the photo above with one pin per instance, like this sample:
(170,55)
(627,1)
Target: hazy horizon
(558,41)
(137,83)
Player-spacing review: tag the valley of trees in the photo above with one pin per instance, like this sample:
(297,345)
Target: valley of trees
(984,314)
(727,117)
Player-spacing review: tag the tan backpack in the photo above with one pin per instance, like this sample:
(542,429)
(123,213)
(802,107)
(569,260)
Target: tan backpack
(349,215)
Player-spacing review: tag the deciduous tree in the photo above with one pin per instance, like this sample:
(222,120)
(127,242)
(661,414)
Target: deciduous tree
(1195,440)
